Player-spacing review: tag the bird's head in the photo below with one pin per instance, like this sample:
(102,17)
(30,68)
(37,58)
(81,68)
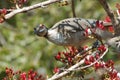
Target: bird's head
(41,30)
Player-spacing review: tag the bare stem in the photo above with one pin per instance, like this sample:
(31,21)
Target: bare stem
(73,8)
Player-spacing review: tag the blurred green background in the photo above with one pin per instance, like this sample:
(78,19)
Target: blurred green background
(21,49)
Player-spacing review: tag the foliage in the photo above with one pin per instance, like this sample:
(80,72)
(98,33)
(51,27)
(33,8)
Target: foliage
(22,50)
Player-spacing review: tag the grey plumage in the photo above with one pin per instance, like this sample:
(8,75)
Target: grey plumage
(70,32)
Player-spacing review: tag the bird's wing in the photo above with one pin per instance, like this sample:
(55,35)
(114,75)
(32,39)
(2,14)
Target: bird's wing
(73,25)
(69,26)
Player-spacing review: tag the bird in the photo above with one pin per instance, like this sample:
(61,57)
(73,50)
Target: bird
(72,32)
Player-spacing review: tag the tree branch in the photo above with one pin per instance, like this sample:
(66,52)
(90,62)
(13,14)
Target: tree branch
(93,62)
(110,13)
(73,8)
(76,66)
(24,9)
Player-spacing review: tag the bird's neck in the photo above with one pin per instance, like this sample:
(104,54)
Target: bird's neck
(55,37)
(46,35)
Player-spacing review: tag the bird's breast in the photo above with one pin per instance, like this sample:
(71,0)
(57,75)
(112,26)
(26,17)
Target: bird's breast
(68,39)
(55,37)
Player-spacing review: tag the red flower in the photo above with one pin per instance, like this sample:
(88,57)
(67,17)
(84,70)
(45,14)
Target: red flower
(102,65)
(56,70)
(69,60)
(9,71)
(113,75)
(87,32)
(2,14)
(91,78)
(107,19)
(58,56)
(119,11)
(66,54)
(100,25)
(97,56)
(85,47)
(72,49)
(101,48)
(22,1)
(91,59)
(31,75)
(3,11)
(23,76)
(87,62)
(110,63)
(110,28)
(97,65)
(5,78)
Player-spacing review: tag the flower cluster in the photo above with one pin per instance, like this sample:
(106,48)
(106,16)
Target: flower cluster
(87,32)
(100,64)
(2,14)
(19,75)
(67,57)
(113,75)
(22,1)
(89,60)
(100,25)
(110,28)
(18,1)
(92,59)
(101,48)
(56,70)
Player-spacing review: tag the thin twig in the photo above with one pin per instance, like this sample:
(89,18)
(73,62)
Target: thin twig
(73,7)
